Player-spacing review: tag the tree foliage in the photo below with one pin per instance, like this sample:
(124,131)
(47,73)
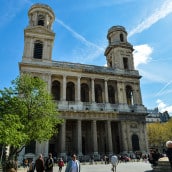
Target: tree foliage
(159,133)
(27,112)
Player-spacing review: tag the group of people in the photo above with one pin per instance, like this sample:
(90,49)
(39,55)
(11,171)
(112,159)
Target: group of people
(72,166)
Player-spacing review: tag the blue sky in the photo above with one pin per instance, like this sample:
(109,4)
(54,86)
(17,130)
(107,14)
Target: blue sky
(81,29)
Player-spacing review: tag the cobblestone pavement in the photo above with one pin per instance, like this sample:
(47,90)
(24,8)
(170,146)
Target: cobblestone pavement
(122,167)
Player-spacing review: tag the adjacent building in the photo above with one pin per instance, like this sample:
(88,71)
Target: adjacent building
(155,116)
(101,106)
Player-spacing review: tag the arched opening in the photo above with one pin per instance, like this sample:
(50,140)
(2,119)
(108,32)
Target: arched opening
(41,20)
(84,93)
(98,94)
(135,142)
(129,95)
(55,90)
(111,94)
(70,91)
(38,50)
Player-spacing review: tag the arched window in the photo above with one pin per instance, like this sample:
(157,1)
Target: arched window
(56,90)
(38,50)
(70,91)
(129,95)
(41,20)
(121,37)
(111,94)
(98,94)
(84,93)
(135,142)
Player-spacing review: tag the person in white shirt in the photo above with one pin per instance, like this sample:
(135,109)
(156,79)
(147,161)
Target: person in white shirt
(73,165)
(114,162)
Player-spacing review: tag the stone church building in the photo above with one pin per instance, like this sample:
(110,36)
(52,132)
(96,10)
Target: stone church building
(101,106)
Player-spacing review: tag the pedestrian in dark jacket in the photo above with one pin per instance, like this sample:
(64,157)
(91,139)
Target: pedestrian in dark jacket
(49,163)
(39,164)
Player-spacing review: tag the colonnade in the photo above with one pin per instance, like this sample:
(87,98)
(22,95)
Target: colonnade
(118,86)
(93,138)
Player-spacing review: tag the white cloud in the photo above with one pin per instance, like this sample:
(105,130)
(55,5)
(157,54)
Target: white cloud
(142,54)
(163,107)
(158,14)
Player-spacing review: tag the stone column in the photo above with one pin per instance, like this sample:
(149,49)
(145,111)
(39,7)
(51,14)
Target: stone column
(64,88)
(63,138)
(42,148)
(106,92)
(95,145)
(109,135)
(78,89)
(79,138)
(92,90)
(124,137)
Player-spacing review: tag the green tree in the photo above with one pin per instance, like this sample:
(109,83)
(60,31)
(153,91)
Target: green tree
(27,113)
(159,133)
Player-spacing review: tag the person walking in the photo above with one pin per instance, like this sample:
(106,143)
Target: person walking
(73,165)
(114,162)
(60,164)
(49,163)
(39,164)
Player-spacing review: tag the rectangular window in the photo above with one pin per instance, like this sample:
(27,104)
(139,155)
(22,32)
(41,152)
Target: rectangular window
(125,62)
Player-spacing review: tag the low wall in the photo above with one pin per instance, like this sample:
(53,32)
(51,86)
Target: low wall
(163,165)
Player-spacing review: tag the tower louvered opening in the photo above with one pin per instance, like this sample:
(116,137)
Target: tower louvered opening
(38,50)
(41,20)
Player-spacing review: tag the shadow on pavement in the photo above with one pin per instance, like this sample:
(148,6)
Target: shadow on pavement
(149,171)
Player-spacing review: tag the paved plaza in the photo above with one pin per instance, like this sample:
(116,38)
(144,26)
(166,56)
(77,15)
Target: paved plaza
(122,167)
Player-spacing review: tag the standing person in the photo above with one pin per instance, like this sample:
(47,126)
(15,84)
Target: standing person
(49,163)
(73,165)
(169,151)
(60,164)
(39,164)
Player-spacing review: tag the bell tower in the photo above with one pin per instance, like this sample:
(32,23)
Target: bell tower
(119,51)
(38,36)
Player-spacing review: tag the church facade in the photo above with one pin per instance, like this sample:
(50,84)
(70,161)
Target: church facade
(101,106)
